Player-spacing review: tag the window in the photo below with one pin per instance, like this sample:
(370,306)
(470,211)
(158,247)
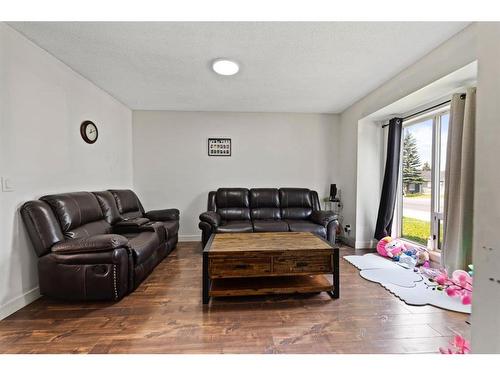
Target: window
(423,163)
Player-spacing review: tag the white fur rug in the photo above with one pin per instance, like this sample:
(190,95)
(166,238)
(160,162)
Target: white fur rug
(411,287)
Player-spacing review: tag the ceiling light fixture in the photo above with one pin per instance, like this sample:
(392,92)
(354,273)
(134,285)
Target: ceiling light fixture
(225,67)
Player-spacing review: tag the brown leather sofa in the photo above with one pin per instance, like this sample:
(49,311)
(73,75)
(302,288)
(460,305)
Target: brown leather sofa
(232,210)
(97,246)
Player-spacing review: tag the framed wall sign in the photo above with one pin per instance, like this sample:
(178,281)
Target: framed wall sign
(219,146)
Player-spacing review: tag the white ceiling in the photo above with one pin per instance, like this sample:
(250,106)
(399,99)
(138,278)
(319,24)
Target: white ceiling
(285,67)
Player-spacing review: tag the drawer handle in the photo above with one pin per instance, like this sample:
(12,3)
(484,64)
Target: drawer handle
(302,264)
(241,266)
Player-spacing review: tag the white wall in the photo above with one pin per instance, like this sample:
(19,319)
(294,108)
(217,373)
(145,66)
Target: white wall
(370,175)
(455,53)
(42,104)
(172,169)
(486,245)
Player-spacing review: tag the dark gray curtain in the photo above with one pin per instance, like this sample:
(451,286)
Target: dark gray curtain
(391,175)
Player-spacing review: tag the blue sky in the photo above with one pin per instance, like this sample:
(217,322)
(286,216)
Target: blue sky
(423,134)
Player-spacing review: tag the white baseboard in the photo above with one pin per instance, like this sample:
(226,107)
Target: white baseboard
(346,240)
(19,302)
(189,237)
(371,244)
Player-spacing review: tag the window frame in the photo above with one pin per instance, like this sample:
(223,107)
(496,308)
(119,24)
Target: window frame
(435,216)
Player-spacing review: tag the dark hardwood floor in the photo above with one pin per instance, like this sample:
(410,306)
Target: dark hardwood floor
(165,315)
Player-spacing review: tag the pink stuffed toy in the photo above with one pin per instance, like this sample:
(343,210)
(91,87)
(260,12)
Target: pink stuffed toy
(389,247)
(381,245)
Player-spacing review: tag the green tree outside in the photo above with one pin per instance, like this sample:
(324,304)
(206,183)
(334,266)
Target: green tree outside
(412,167)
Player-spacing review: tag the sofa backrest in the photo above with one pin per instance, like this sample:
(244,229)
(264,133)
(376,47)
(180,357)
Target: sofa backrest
(42,226)
(108,206)
(79,214)
(129,205)
(265,204)
(233,203)
(298,204)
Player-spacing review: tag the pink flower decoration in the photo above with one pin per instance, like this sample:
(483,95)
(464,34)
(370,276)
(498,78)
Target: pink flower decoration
(459,346)
(459,285)
(441,279)
(453,290)
(461,277)
(467,298)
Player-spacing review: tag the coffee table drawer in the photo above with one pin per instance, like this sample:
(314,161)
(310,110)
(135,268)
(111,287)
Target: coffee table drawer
(226,267)
(320,263)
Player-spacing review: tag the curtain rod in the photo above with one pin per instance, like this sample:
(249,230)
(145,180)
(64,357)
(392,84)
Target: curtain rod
(425,110)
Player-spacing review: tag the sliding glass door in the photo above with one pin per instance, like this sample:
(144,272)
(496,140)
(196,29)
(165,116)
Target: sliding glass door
(423,161)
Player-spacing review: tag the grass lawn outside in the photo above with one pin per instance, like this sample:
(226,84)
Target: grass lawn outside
(416,230)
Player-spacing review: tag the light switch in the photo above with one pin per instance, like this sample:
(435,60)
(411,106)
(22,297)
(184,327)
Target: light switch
(7,184)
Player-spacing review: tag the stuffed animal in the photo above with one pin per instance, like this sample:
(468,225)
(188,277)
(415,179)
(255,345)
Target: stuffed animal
(381,245)
(395,248)
(411,252)
(423,258)
(389,247)
(406,261)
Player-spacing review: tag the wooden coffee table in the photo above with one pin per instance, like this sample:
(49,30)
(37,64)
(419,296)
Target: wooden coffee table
(240,264)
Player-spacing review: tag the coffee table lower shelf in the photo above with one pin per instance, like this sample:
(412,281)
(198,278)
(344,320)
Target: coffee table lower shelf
(251,286)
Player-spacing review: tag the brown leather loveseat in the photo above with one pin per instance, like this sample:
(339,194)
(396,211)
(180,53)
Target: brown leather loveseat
(233,210)
(97,246)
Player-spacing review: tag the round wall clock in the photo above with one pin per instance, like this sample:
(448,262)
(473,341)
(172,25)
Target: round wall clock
(88,131)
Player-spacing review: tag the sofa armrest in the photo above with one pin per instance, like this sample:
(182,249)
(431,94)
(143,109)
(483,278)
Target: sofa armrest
(211,217)
(323,217)
(102,275)
(98,243)
(163,215)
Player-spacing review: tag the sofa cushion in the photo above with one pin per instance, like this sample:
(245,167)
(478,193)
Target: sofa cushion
(233,204)
(143,245)
(78,213)
(108,206)
(270,226)
(128,203)
(90,229)
(235,226)
(296,204)
(306,226)
(264,204)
